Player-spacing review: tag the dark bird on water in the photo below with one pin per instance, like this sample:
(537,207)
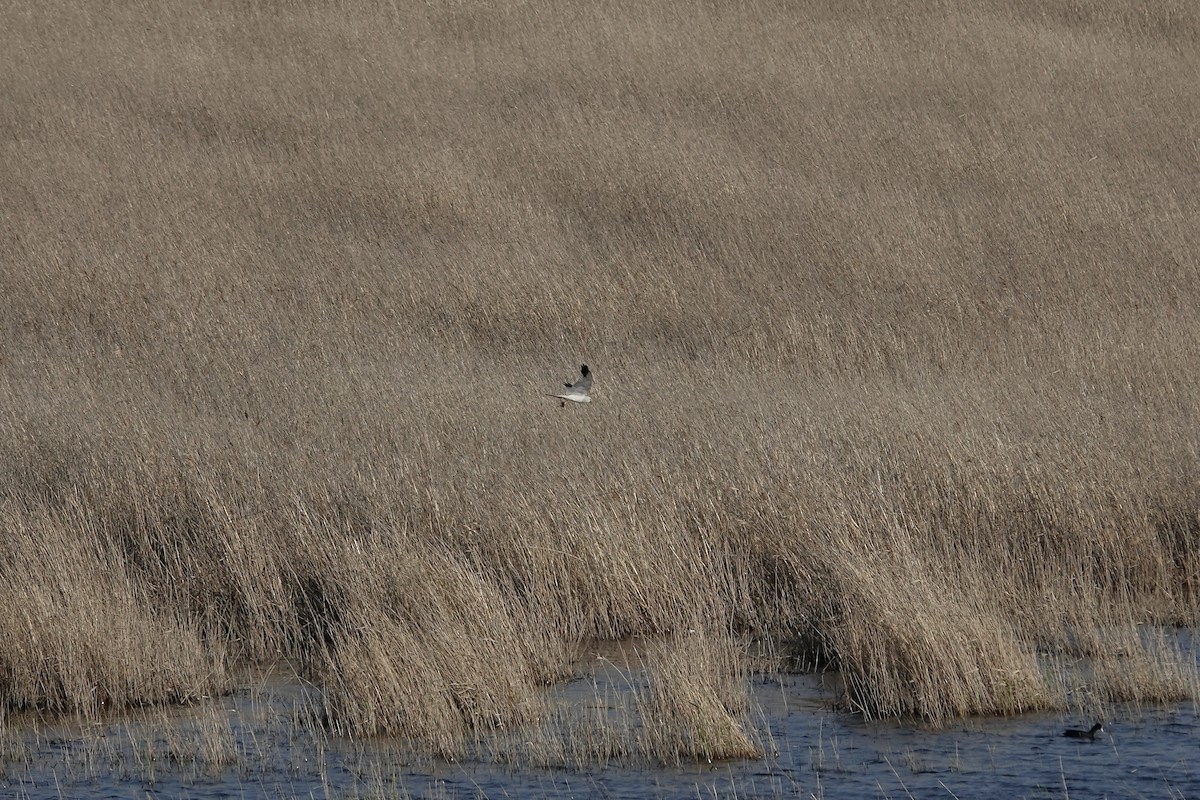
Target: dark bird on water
(1074,733)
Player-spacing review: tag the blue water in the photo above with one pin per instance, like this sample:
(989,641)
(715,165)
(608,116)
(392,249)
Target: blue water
(1151,752)
(1148,752)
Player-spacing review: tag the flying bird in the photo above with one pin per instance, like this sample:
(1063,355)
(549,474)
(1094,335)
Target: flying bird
(579,391)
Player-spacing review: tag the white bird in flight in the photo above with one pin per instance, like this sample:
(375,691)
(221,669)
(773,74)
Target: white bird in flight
(579,391)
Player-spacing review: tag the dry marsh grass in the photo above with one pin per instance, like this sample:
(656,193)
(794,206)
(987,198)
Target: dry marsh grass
(696,706)
(892,316)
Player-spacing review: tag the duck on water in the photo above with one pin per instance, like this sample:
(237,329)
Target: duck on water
(1073,733)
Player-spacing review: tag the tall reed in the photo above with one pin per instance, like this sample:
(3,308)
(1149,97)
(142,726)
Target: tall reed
(891,313)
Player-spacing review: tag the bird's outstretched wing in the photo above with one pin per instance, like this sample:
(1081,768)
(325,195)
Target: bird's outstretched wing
(584,384)
(579,391)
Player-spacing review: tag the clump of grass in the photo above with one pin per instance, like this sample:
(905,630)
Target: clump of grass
(593,727)
(429,651)
(1131,665)
(80,635)
(697,704)
(668,700)
(206,740)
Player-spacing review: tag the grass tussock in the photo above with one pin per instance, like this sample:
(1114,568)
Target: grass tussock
(697,706)
(80,636)
(891,313)
(430,653)
(665,701)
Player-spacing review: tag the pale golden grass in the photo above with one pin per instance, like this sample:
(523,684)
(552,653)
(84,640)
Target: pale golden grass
(892,316)
(697,705)
(429,652)
(79,635)
(669,700)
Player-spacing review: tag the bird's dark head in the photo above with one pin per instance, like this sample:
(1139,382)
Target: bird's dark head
(584,369)
(1099,726)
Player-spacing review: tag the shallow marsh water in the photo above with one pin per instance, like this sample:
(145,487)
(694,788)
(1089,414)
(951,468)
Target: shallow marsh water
(262,741)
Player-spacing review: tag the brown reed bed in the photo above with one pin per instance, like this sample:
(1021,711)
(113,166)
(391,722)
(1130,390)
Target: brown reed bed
(895,353)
